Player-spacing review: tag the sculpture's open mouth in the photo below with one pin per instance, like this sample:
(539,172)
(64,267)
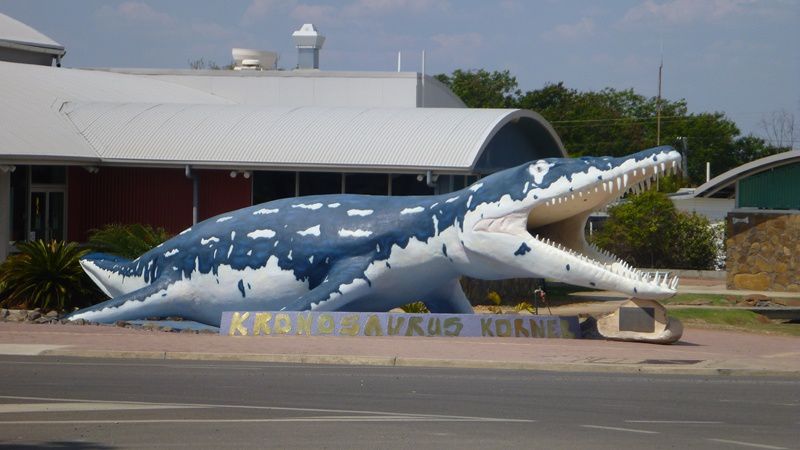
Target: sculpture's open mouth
(556,224)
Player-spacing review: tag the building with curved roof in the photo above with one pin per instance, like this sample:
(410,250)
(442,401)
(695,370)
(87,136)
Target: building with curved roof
(83,148)
(23,44)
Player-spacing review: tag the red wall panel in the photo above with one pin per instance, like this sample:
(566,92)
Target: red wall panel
(219,193)
(158,197)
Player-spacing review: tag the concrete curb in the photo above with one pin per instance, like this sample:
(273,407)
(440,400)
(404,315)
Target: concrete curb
(395,361)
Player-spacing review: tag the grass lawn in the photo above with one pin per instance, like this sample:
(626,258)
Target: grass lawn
(728,319)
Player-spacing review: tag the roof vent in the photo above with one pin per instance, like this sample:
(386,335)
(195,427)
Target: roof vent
(249,59)
(308,42)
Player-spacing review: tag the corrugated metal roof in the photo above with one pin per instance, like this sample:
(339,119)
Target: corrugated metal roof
(58,114)
(12,30)
(31,124)
(726,179)
(312,136)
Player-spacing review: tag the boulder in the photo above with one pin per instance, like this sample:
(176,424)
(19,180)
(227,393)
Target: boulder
(640,320)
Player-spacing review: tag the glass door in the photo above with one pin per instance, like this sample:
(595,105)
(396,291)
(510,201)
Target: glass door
(47,214)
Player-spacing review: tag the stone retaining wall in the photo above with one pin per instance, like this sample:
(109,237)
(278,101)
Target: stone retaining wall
(763,251)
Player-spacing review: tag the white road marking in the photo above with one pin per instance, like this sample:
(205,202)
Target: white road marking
(747,444)
(689,422)
(271,408)
(6,408)
(284,419)
(629,430)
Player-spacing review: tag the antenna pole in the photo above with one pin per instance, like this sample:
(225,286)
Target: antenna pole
(658,100)
(423,78)
(399,60)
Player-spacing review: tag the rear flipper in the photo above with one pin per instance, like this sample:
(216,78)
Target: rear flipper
(151,300)
(345,284)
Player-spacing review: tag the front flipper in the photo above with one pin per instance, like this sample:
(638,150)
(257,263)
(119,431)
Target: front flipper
(345,283)
(449,298)
(150,301)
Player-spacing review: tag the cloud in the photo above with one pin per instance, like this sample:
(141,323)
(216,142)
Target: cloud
(686,11)
(461,41)
(258,9)
(314,13)
(137,12)
(462,48)
(360,8)
(571,32)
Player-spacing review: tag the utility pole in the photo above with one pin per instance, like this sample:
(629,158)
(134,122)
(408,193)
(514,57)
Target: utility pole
(658,99)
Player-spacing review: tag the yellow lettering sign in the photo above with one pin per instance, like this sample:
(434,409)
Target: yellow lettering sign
(536,329)
(502,327)
(452,326)
(519,328)
(486,329)
(373,326)
(414,326)
(434,326)
(237,324)
(552,328)
(304,323)
(394,325)
(283,323)
(325,324)
(565,331)
(261,324)
(350,325)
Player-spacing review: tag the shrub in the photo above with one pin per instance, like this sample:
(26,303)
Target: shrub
(415,308)
(647,231)
(128,241)
(46,275)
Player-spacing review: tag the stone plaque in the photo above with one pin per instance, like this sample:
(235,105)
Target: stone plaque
(310,323)
(639,319)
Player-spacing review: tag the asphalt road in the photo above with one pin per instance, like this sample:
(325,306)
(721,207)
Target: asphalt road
(97,404)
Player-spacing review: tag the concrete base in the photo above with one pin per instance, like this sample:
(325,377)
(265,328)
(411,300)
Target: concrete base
(640,321)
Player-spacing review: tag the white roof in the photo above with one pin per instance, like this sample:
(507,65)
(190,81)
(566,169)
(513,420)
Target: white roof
(103,117)
(12,31)
(726,179)
(311,136)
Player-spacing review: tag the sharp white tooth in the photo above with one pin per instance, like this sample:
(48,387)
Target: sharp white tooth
(634,172)
(619,183)
(625,179)
(604,188)
(663,167)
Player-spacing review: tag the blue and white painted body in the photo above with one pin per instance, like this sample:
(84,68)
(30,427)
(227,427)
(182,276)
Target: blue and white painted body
(375,253)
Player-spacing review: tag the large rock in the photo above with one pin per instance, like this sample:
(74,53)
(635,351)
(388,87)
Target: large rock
(640,321)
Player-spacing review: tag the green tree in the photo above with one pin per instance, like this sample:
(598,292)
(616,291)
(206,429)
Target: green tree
(482,89)
(619,122)
(647,231)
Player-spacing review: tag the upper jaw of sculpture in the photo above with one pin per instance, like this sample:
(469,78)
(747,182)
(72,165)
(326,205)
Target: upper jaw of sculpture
(551,219)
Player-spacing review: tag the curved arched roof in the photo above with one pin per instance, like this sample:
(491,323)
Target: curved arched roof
(450,139)
(15,33)
(727,179)
(79,116)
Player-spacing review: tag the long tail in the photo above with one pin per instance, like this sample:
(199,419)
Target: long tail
(114,275)
(150,300)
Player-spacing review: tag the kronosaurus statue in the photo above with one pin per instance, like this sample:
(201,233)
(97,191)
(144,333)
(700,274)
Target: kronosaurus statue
(375,253)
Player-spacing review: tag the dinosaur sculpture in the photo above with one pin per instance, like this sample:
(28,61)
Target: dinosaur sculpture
(374,253)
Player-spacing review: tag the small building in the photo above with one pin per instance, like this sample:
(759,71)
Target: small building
(763,221)
(80,149)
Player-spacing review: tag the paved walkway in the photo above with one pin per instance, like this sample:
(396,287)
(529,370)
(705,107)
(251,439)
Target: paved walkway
(699,352)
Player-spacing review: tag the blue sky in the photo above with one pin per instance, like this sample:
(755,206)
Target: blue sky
(736,56)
